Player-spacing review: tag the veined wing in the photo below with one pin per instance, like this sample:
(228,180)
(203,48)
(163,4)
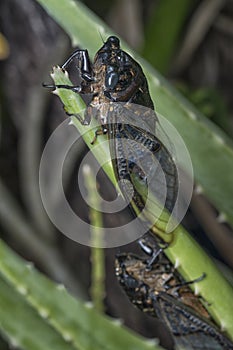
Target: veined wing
(189,329)
(142,159)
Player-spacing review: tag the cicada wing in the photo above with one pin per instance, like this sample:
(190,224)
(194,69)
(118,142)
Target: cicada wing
(142,160)
(199,341)
(190,331)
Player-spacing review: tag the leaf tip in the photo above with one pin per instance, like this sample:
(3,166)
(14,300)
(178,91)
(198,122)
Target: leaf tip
(55,92)
(22,289)
(30,265)
(196,289)
(89,305)
(71,122)
(221,218)
(198,190)
(219,139)
(67,336)
(177,263)
(192,115)
(117,322)
(156,81)
(152,342)
(61,287)
(44,313)
(14,343)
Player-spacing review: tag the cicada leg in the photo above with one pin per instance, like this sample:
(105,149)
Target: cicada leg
(154,252)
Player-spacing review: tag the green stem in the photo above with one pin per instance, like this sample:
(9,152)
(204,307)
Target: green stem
(97,289)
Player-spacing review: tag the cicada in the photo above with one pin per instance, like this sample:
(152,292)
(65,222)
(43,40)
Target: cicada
(161,292)
(144,166)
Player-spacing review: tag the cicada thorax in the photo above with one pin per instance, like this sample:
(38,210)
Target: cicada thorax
(118,76)
(161,278)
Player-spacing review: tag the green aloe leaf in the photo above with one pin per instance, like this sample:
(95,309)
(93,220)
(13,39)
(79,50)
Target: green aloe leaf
(23,327)
(37,314)
(166,21)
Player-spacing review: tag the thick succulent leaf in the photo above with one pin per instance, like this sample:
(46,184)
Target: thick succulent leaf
(35,312)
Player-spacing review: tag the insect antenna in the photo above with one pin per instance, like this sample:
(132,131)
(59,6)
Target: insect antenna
(187,283)
(101,36)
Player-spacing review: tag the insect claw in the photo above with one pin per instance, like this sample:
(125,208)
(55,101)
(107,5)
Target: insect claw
(154,253)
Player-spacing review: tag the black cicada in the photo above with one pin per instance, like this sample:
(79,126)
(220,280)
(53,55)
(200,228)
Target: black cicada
(160,292)
(122,104)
